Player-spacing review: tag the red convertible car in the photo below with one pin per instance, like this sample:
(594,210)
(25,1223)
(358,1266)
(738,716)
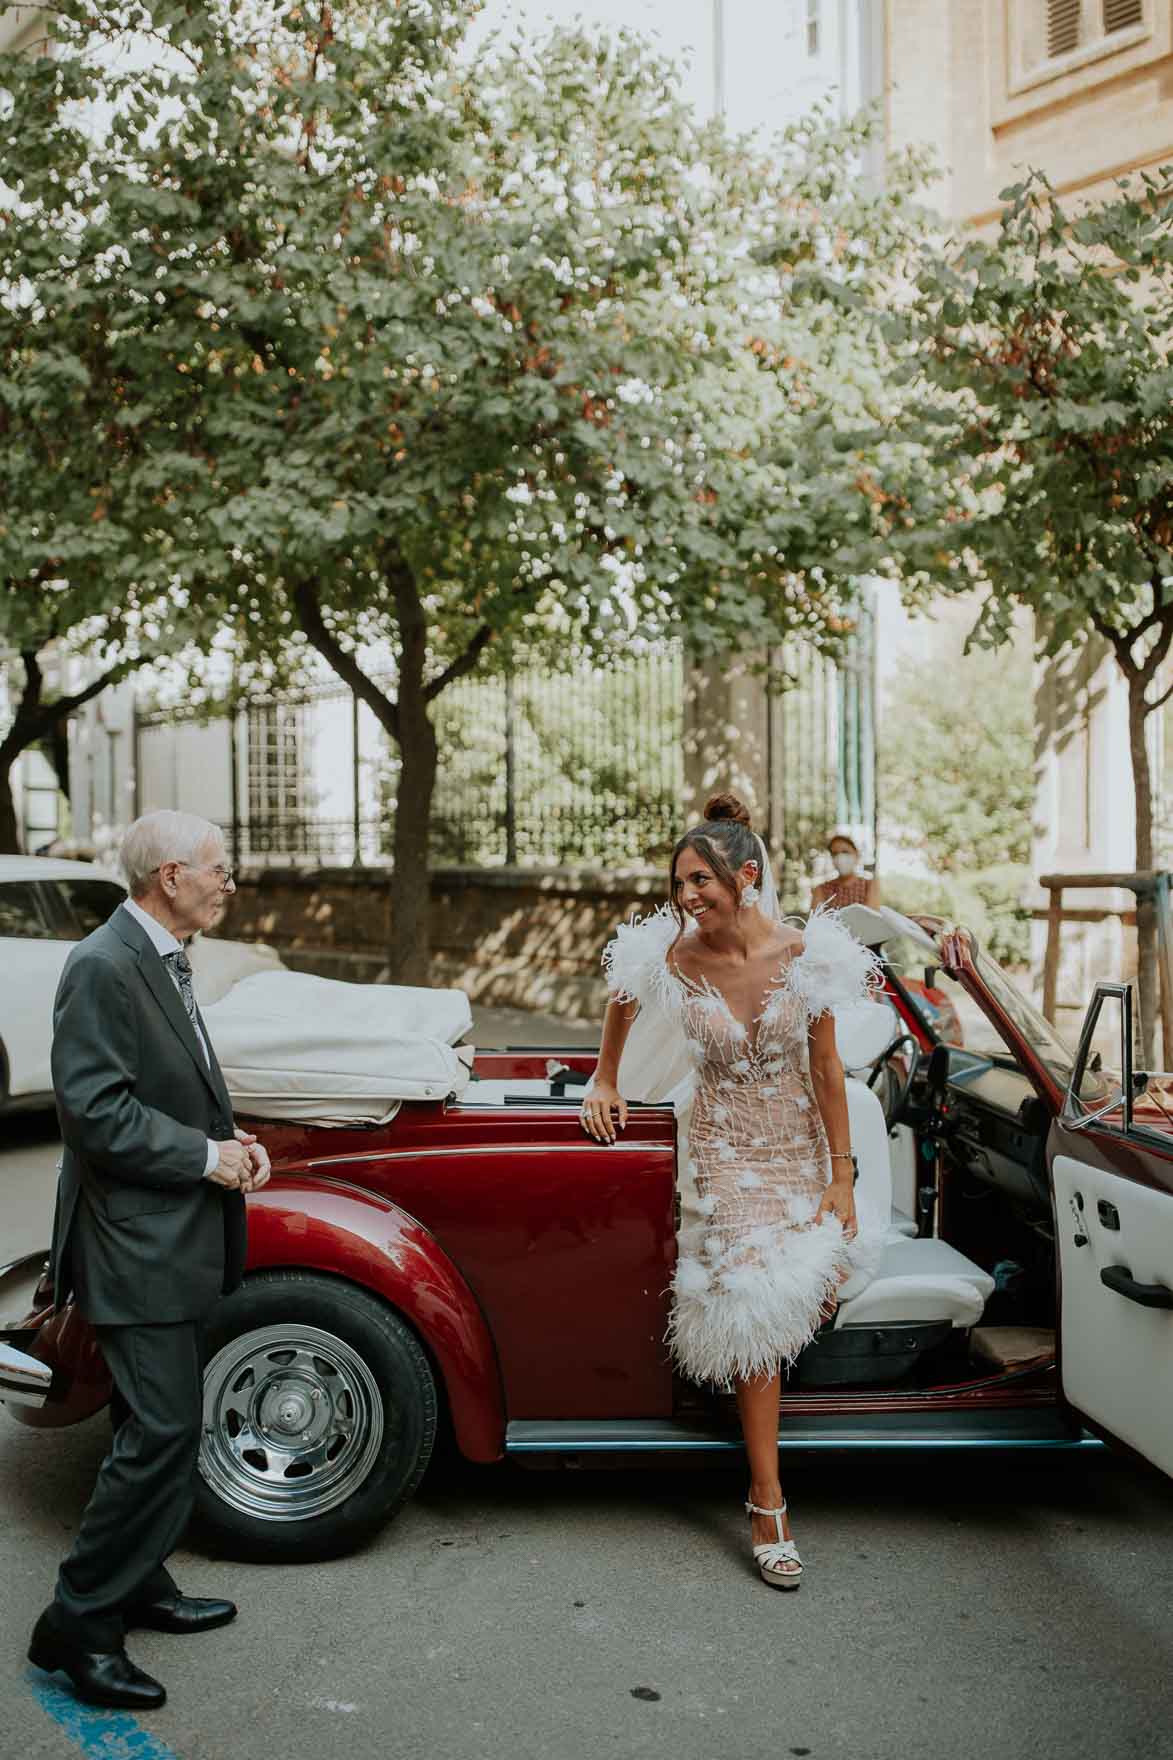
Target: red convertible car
(477,1264)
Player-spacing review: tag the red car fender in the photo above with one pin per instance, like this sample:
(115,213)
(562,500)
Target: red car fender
(316,1224)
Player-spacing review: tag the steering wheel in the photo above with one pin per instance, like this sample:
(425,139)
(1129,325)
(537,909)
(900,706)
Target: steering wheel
(894,1110)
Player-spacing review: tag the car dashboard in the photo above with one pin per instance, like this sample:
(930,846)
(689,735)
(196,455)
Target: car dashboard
(996,1127)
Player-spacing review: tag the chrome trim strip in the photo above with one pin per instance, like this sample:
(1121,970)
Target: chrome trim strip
(1039,1427)
(461,1149)
(801,1445)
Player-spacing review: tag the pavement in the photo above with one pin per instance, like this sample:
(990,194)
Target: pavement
(981,1607)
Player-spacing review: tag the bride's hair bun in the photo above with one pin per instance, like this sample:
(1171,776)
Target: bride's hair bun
(727,806)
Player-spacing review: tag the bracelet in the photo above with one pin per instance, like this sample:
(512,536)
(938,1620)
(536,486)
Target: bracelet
(841,1155)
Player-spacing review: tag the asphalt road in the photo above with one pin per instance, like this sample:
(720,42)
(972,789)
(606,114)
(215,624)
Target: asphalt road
(980,1608)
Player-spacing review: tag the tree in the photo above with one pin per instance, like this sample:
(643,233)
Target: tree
(91,559)
(477,357)
(1041,462)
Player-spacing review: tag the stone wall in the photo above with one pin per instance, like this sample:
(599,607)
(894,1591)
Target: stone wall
(518,937)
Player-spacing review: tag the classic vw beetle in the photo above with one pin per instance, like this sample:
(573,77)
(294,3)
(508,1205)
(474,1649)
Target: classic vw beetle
(460,1252)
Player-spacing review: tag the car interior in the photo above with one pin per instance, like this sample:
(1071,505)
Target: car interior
(951,1146)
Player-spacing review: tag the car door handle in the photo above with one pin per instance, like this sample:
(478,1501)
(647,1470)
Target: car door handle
(1149,1295)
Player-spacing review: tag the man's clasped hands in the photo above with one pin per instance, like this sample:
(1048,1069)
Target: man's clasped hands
(243,1165)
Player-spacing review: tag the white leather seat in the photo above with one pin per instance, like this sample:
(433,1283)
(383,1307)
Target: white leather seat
(915,1279)
(863,1032)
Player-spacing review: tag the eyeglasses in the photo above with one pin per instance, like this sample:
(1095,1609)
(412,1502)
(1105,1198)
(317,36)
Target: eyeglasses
(227,878)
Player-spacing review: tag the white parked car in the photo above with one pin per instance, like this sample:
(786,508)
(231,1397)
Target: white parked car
(45,907)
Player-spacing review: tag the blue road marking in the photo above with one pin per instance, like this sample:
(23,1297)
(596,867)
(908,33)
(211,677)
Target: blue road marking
(101,1735)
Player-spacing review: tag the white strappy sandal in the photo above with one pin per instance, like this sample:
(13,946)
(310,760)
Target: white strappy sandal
(771,1557)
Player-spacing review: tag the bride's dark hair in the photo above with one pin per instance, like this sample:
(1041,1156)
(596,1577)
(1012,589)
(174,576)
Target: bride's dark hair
(726,841)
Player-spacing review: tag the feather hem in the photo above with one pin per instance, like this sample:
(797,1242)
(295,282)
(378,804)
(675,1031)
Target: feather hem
(754,1319)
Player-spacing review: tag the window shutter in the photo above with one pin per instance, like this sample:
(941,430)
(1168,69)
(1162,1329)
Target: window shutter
(1063,26)
(1119,14)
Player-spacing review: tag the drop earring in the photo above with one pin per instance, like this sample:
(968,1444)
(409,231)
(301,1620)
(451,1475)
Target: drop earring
(749,896)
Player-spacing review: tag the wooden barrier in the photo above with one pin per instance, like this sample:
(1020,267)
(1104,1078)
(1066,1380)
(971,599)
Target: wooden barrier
(1150,888)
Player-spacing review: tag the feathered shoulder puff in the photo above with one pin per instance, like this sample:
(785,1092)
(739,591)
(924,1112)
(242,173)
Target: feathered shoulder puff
(634,960)
(833,967)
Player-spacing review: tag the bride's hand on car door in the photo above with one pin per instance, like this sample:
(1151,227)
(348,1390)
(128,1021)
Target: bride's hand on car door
(600,1111)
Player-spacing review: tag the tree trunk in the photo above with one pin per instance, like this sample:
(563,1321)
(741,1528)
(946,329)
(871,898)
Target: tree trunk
(9,830)
(35,722)
(409,725)
(57,751)
(1146,920)
(410,950)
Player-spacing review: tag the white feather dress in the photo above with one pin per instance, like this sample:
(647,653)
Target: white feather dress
(753,1272)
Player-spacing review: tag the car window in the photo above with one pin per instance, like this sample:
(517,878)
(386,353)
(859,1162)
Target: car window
(20,912)
(88,903)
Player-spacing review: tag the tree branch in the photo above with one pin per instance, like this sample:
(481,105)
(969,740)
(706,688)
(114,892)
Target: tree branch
(35,718)
(463,664)
(309,611)
(1118,643)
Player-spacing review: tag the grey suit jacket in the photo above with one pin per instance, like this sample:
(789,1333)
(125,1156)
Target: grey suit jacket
(139,1234)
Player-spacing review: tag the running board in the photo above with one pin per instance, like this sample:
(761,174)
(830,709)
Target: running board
(1042,1428)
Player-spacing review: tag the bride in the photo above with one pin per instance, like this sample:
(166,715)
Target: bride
(720,1006)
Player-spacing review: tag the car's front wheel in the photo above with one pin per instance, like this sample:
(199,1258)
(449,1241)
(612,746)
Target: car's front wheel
(319,1418)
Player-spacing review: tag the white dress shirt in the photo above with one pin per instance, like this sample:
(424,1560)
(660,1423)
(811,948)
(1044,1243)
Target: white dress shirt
(164,942)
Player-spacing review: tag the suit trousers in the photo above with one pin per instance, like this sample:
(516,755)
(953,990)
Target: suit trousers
(145,1488)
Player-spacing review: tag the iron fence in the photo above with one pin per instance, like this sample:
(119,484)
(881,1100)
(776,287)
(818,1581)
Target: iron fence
(539,767)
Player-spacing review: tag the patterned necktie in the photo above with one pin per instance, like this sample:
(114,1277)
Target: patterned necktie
(180,967)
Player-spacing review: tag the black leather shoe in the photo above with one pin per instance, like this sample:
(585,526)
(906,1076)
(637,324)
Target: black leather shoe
(100,1677)
(181,1613)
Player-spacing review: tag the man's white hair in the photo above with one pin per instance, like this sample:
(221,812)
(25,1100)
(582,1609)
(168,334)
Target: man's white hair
(163,837)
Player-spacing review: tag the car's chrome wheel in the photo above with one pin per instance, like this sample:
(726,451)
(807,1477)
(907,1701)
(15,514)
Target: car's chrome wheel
(293,1421)
(319,1417)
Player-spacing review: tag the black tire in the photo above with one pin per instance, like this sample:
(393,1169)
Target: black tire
(289,1347)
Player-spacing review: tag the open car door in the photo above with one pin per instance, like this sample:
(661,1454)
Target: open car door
(1111,1163)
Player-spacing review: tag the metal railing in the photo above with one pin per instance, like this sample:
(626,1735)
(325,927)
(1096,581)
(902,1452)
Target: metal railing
(580,766)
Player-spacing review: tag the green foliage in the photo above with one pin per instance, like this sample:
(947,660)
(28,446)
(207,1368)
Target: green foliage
(493,338)
(1044,356)
(393,346)
(956,760)
(989,901)
(1037,451)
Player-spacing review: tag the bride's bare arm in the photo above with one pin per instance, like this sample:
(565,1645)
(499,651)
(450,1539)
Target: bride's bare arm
(604,1100)
(830,1093)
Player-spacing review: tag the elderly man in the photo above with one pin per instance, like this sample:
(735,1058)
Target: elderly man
(149,1231)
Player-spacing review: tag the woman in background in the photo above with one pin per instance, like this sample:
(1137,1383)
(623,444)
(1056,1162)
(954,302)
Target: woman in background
(849,885)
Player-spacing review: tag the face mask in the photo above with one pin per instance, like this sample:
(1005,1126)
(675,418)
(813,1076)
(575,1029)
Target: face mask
(845,862)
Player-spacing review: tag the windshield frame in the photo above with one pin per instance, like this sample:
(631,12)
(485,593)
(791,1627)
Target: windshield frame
(1026,1035)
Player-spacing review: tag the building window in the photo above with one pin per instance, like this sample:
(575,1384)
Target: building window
(813,10)
(276,784)
(1063,23)
(1071,24)
(1059,37)
(1120,14)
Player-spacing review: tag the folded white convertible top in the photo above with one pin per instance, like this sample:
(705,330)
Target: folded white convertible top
(293,1046)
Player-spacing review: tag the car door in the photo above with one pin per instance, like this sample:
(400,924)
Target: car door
(32,953)
(1111,1164)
